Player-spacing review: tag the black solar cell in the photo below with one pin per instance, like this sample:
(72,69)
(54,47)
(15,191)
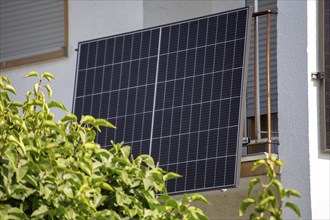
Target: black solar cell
(173,91)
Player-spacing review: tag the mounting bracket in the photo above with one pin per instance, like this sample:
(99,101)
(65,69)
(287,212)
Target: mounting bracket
(317,75)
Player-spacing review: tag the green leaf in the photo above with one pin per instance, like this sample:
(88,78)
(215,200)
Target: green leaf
(36,88)
(292,192)
(16,213)
(27,95)
(252,184)
(258,164)
(267,200)
(91,146)
(48,76)
(125,177)
(278,185)
(56,104)
(4,208)
(245,204)
(11,155)
(201,215)
(198,197)
(16,104)
(171,202)
(86,165)
(20,192)
(34,102)
(33,73)
(21,172)
(104,123)
(148,160)
(31,179)
(279,162)
(10,89)
(52,125)
(74,178)
(260,209)
(69,117)
(5,78)
(18,141)
(87,119)
(49,91)
(171,175)
(126,151)
(106,186)
(293,207)
(40,211)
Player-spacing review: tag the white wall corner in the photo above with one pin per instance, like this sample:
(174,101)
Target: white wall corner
(293,102)
(319,161)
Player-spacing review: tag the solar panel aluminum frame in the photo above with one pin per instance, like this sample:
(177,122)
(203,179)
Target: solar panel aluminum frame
(243,85)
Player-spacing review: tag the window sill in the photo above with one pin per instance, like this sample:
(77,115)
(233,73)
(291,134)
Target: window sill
(247,164)
(56,54)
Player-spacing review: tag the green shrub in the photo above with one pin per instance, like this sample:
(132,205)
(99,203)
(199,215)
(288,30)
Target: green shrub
(269,201)
(55,170)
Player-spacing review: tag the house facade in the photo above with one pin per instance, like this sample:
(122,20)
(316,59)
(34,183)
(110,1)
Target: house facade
(300,116)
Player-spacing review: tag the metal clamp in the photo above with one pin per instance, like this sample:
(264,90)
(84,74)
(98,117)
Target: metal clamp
(245,140)
(317,75)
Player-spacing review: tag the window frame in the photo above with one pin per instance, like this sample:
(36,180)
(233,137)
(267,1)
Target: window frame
(324,64)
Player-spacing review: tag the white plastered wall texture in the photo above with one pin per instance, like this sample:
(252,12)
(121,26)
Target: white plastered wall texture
(319,161)
(292,64)
(297,126)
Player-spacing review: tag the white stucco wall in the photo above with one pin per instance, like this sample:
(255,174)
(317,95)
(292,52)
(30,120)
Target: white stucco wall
(306,169)
(292,101)
(319,161)
(163,12)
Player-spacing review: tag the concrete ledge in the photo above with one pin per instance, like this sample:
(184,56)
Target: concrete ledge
(247,164)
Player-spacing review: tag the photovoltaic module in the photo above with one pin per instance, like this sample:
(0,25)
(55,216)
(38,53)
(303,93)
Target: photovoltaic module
(176,92)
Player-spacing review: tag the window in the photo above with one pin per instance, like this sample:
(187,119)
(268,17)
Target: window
(325,68)
(32,31)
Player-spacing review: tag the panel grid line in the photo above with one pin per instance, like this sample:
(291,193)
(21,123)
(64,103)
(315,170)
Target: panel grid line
(200,108)
(184,85)
(85,80)
(190,120)
(136,94)
(164,97)
(173,98)
(129,76)
(174,92)
(231,83)
(155,92)
(180,121)
(109,100)
(209,122)
(118,98)
(102,86)
(222,75)
(145,97)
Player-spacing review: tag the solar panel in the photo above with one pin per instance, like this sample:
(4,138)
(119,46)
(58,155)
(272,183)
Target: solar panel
(175,92)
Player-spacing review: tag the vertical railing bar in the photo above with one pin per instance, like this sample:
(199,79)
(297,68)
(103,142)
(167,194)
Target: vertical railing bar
(257,135)
(269,131)
(269,125)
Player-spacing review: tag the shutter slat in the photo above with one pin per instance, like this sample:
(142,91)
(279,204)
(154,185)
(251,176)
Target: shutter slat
(12,38)
(29,7)
(31,27)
